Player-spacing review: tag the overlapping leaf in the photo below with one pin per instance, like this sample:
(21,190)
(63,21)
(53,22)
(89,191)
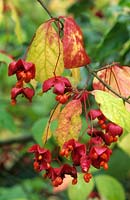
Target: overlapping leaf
(46,51)
(113,108)
(73,47)
(69,122)
(118,78)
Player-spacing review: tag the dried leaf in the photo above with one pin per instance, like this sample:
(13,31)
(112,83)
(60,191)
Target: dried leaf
(73,47)
(46,51)
(118,78)
(69,122)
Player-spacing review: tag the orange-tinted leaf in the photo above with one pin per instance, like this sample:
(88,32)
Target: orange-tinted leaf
(69,123)
(118,77)
(46,51)
(73,47)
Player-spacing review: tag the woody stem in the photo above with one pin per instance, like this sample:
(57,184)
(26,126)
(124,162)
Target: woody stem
(106,85)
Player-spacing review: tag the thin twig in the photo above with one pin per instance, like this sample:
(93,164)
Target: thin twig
(50,15)
(106,67)
(21,139)
(49,122)
(106,85)
(45,8)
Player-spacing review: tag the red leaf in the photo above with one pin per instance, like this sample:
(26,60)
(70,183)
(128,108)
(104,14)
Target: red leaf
(118,77)
(73,47)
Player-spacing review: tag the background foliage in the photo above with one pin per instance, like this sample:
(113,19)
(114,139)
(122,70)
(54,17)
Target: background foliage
(106,31)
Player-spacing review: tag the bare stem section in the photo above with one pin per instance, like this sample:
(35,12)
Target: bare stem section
(45,8)
(92,72)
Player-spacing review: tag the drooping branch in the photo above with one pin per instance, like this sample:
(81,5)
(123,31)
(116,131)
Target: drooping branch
(106,85)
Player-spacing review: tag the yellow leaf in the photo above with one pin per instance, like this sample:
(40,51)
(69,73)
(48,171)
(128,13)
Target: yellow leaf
(1,9)
(46,51)
(76,74)
(53,116)
(69,122)
(18,30)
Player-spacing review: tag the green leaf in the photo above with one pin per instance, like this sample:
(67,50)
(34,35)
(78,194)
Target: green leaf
(111,44)
(81,190)
(124,144)
(5,58)
(109,188)
(46,51)
(38,129)
(113,108)
(48,101)
(123,169)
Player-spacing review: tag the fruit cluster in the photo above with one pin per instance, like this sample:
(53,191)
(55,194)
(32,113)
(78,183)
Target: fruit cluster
(61,87)
(95,152)
(25,71)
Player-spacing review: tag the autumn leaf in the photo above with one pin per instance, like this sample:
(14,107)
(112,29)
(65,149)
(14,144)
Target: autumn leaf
(69,122)
(73,47)
(118,78)
(46,51)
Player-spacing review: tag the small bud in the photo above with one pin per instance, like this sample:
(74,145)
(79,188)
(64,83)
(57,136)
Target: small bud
(87,177)
(74,181)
